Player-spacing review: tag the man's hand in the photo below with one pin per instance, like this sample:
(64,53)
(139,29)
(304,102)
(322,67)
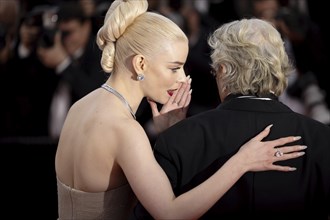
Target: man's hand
(53,56)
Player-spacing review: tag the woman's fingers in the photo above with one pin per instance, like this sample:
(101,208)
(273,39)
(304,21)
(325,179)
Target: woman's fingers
(287,156)
(262,134)
(263,154)
(285,153)
(182,94)
(179,95)
(282,168)
(180,98)
(289,149)
(277,142)
(284,140)
(188,99)
(154,108)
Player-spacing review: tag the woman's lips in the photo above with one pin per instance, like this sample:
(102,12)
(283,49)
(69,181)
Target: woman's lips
(170,92)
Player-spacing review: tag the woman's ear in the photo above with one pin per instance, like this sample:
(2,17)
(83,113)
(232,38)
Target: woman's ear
(139,64)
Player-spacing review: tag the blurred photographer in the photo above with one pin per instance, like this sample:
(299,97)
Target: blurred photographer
(35,30)
(9,13)
(75,58)
(26,84)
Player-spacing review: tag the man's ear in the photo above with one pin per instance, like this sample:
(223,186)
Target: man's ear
(222,68)
(139,64)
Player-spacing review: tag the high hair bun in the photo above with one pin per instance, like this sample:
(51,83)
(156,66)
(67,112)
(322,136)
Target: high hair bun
(120,15)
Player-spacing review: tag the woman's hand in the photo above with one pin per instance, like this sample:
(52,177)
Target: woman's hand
(174,110)
(260,156)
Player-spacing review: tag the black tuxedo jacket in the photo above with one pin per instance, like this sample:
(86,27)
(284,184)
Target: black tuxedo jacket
(194,149)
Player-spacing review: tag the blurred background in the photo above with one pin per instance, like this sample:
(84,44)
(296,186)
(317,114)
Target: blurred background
(49,60)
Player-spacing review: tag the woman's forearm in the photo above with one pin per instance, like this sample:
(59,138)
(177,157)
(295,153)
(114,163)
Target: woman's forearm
(194,203)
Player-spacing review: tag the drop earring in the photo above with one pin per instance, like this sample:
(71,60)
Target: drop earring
(140,77)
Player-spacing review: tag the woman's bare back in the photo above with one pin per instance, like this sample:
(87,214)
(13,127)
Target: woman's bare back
(88,163)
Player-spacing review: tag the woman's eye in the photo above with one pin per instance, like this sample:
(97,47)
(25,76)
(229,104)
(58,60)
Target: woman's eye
(175,69)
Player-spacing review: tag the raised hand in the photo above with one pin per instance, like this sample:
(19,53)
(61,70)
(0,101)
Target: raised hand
(175,109)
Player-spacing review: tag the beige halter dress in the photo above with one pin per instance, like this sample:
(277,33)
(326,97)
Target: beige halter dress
(75,204)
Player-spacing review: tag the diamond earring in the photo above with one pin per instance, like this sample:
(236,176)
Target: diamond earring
(140,77)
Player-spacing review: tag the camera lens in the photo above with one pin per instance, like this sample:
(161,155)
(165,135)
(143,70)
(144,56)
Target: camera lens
(47,38)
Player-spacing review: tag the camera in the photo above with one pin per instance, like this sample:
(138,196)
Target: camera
(47,38)
(45,18)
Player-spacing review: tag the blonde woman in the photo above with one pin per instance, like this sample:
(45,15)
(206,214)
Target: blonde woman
(104,158)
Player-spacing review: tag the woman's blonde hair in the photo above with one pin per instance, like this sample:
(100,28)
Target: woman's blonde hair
(129,30)
(254,57)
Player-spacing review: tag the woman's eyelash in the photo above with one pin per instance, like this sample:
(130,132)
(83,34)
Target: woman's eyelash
(175,69)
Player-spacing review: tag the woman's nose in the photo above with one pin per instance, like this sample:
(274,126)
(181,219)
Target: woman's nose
(182,77)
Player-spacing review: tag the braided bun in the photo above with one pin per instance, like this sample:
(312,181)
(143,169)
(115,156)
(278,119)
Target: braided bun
(120,15)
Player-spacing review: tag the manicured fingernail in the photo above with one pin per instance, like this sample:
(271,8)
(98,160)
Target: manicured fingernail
(189,81)
(292,169)
(190,91)
(303,147)
(296,138)
(269,126)
(300,153)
